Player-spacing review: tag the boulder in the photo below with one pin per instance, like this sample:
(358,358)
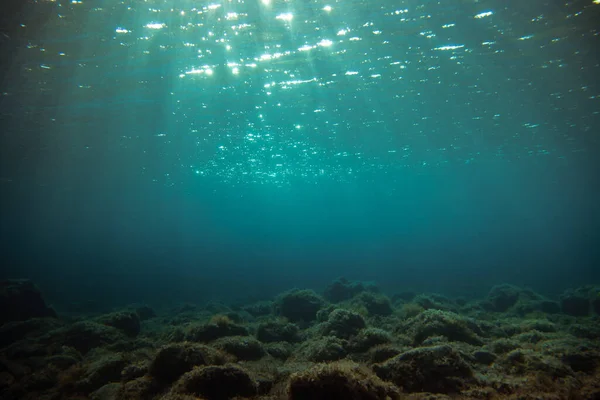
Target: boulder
(20,300)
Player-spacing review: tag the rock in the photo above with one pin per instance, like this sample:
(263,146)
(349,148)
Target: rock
(581,360)
(126,322)
(299,305)
(16,369)
(530,337)
(376,304)
(277,331)
(6,380)
(379,354)
(106,392)
(214,330)
(217,383)
(503,345)
(64,361)
(339,381)
(134,371)
(369,337)
(100,372)
(431,323)
(86,335)
(242,347)
(145,312)
(13,331)
(437,369)
(411,310)
(587,330)
(484,357)
(342,289)
(139,389)
(326,348)
(40,380)
(280,351)
(502,297)
(405,296)
(596,302)
(433,301)
(575,302)
(259,309)
(549,307)
(343,324)
(20,300)
(174,360)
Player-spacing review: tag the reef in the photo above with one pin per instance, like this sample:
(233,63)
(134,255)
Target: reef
(349,342)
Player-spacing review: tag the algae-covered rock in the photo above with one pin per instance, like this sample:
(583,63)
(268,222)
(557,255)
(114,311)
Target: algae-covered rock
(576,302)
(339,381)
(434,301)
(214,330)
(145,312)
(368,338)
(342,289)
(127,322)
(299,305)
(259,308)
(381,353)
(141,388)
(277,331)
(437,369)
(326,348)
(13,331)
(242,347)
(217,383)
(100,372)
(106,392)
(374,303)
(343,324)
(502,297)
(280,350)
(431,323)
(86,335)
(20,300)
(174,360)
(484,357)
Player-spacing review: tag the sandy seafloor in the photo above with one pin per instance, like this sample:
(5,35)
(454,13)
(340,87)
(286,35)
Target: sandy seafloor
(349,342)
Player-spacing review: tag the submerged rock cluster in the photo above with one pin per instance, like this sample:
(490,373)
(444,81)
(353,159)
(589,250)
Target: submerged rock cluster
(352,342)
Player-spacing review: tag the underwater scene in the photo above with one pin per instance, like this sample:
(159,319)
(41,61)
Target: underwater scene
(299,199)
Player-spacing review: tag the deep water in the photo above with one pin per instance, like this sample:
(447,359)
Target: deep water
(446,154)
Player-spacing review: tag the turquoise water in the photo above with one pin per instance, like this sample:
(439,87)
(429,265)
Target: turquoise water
(168,151)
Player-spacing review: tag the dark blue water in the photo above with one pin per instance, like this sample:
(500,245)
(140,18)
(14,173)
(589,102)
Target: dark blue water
(229,152)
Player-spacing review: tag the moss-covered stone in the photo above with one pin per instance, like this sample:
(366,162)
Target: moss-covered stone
(127,322)
(342,289)
(576,302)
(375,304)
(277,331)
(214,330)
(443,323)
(437,369)
(502,297)
(101,371)
(369,337)
(343,324)
(260,308)
(299,305)
(339,381)
(87,335)
(174,360)
(326,348)
(20,300)
(242,347)
(217,383)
